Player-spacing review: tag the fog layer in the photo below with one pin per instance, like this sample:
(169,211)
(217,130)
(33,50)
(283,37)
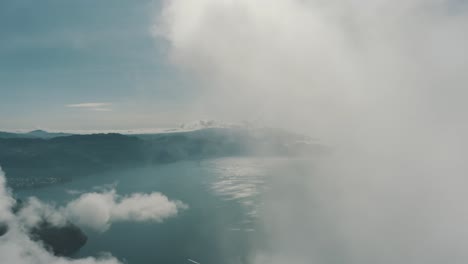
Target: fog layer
(382,82)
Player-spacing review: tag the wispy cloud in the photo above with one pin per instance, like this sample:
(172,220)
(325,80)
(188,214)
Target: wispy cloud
(92,106)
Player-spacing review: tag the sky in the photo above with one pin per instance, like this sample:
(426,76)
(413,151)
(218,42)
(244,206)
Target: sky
(118,64)
(78,65)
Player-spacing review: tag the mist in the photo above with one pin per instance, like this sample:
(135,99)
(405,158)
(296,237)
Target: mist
(381,82)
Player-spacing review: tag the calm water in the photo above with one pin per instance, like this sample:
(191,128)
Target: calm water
(220,226)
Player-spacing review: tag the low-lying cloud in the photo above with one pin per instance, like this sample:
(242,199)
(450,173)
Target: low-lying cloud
(97,210)
(100,210)
(17,247)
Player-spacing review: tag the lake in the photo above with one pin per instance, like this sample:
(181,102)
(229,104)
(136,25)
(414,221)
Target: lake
(221,224)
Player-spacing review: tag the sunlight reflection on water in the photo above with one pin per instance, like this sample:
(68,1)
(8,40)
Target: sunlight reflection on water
(240,180)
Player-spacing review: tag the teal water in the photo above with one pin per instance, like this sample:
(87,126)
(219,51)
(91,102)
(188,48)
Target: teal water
(220,225)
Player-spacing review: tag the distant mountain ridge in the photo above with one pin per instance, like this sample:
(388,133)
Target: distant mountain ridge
(44,134)
(43,158)
(33,134)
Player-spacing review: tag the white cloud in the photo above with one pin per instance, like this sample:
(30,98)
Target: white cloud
(34,212)
(315,65)
(92,106)
(6,200)
(383,82)
(16,247)
(94,210)
(100,210)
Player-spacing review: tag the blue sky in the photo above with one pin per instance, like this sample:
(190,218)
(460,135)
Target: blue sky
(57,53)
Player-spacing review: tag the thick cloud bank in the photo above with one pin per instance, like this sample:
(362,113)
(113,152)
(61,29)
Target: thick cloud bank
(323,66)
(383,82)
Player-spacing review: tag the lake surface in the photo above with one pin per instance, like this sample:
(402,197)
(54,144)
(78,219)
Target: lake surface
(221,224)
